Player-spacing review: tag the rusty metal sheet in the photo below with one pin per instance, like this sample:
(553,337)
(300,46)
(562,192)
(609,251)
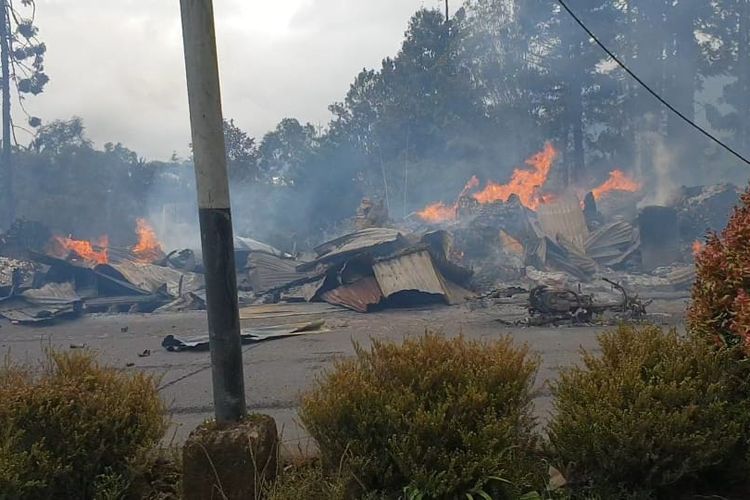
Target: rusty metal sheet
(412,271)
(357,296)
(564,217)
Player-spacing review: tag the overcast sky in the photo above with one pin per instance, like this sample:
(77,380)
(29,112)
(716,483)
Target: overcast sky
(119,65)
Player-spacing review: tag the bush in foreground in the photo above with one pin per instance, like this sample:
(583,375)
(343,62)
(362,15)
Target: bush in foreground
(432,417)
(720,308)
(73,429)
(653,414)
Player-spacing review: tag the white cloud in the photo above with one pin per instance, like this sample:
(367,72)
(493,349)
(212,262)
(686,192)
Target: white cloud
(119,64)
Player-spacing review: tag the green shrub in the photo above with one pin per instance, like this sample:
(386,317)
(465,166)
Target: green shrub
(431,417)
(74,428)
(653,413)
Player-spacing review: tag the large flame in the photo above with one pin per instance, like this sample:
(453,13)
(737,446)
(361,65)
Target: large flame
(526,184)
(148,248)
(440,212)
(618,181)
(96,252)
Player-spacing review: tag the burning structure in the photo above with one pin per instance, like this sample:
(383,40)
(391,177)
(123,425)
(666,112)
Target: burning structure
(494,235)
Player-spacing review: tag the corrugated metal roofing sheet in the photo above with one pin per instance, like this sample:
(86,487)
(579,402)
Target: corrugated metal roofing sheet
(564,217)
(153,278)
(373,240)
(267,272)
(357,296)
(413,271)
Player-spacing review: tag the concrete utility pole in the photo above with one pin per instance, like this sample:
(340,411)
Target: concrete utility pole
(9,188)
(213,203)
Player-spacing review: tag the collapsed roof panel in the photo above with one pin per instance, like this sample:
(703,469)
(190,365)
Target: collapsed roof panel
(374,241)
(268,272)
(153,279)
(409,272)
(358,296)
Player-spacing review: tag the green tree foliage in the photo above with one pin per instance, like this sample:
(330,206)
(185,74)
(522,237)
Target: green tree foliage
(242,153)
(74,188)
(479,92)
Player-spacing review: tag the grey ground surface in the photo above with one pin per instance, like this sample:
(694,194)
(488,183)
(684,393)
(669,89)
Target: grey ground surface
(276,372)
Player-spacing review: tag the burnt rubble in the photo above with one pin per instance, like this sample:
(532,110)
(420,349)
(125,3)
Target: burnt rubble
(565,262)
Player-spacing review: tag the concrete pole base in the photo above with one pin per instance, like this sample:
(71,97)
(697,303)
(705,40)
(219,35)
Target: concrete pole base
(233,462)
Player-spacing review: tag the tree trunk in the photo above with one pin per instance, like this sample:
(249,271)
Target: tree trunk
(6,152)
(682,81)
(576,117)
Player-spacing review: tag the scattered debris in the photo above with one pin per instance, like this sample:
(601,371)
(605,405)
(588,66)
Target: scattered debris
(249,336)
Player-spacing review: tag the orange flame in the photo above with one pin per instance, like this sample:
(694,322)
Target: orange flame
(618,181)
(698,247)
(96,253)
(440,212)
(527,184)
(148,248)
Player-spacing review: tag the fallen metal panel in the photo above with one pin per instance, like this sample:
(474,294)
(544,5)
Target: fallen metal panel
(564,217)
(357,296)
(375,241)
(270,311)
(52,294)
(40,314)
(251,245)
(413,271)
(104,303)
(154,279)
(248,336)
(268,272)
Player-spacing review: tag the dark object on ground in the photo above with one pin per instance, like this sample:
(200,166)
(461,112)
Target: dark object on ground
(549,306)
(236,460)
(660,237)
(249,336)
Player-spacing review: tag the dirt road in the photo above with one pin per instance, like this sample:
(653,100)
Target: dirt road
(277,371)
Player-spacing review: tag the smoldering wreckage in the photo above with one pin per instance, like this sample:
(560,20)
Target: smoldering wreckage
(570,257)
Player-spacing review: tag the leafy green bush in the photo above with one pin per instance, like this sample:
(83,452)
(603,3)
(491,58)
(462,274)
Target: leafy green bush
(74,428)
(653,413)
(432,417)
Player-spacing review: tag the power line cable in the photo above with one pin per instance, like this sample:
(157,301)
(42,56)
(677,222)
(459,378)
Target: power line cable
(649,89)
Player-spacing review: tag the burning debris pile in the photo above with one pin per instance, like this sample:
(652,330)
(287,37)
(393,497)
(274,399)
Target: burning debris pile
(525,233)
(521,234)
(45,276)
(364,271)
